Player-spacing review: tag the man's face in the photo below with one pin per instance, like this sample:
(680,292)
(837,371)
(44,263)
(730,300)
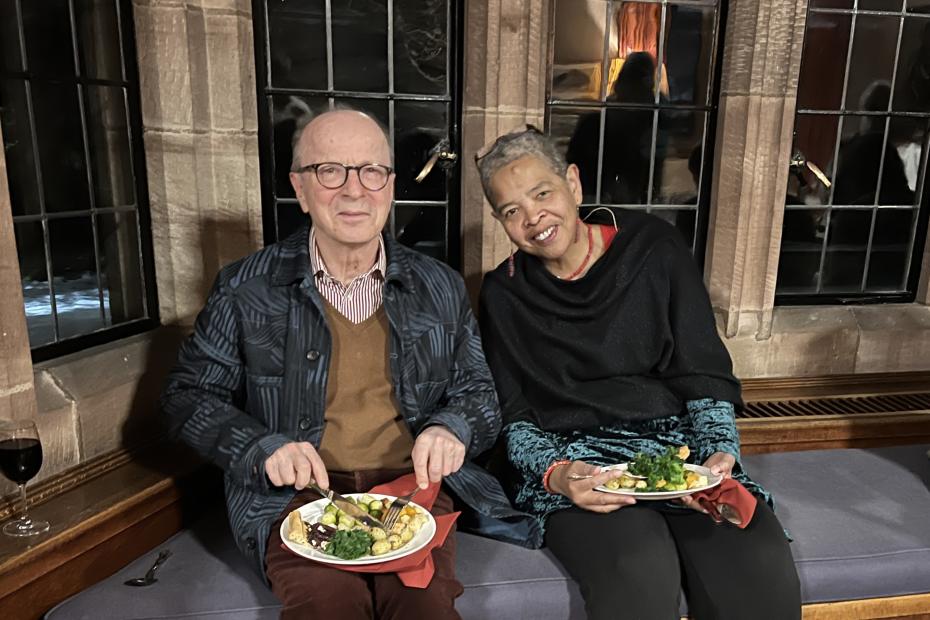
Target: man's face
(538,208)
(352,215)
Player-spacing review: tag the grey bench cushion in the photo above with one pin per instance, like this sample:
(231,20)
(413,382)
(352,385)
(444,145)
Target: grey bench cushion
(858,517)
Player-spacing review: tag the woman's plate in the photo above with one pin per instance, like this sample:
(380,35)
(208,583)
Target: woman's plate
(313,512)
(712,481)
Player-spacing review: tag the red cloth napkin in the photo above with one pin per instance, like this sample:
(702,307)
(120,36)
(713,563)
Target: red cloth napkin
(415,570)
(728,501)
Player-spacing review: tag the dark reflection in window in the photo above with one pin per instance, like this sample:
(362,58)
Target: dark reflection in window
(815,140)
(842,270)
(689,45)
(803,229)
(823,61)
(98,39)
(420,43)
(17,144)
(30,247)
(831,4)
(11,58)
(422,228)
(74,272)
(677,167)
(919,6)
(798,271)
(912,88)
(418,127)
(359,45)
(290,217)
(880,5)
(872,61)
(297,43)
(61,146)
(110,150)
(860,159)
(120,267)
(47,30)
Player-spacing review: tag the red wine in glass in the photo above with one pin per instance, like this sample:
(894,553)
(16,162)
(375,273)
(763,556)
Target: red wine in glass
(20,461)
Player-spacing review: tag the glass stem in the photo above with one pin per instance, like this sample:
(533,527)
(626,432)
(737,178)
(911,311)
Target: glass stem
(24,515)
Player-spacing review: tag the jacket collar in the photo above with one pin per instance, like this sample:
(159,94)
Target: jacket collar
(292,263)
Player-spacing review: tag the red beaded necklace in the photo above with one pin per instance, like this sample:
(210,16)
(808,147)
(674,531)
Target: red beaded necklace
(587,256)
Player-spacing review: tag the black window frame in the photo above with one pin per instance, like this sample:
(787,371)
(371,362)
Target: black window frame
(130,83)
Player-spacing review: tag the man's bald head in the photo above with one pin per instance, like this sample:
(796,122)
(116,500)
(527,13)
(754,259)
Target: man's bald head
(332,125)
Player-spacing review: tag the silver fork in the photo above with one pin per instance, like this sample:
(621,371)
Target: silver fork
(396,507)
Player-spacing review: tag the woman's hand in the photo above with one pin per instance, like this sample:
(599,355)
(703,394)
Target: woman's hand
(582,492)
(720,464)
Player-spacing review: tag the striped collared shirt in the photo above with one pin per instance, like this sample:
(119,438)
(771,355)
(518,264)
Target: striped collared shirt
(360,298)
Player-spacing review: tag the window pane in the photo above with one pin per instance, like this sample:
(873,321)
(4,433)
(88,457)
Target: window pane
(842,271)
(627,154)
(682,219)
(797,272)
(880,5)
(110,151)
(289,112)
(290,218)
(849,229)
(77,296)
(61,146)
(577,134)
(422,228)
(899,178)
(890,242)
(689,43)
(823,61)
(912,85)
(632,73)
(10,55)
(98,39)
(803,229)
(17,144)
(831,4)
(919,6)
(418,126)
(30,247)
(420,42)
(297,42)
(359,45)
(47,29)
(678,157)
(872,63)
(815,138)
(120,268)
(860,155)
(578,49)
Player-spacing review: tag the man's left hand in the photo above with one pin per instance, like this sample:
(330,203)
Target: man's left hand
(436,453)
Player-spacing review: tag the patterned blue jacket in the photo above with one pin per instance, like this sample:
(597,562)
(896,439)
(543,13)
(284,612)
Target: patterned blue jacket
(252,377)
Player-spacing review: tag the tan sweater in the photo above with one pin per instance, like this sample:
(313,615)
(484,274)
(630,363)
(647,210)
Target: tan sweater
(364,429)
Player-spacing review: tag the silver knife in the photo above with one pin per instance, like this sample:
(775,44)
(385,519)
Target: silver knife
(347,506)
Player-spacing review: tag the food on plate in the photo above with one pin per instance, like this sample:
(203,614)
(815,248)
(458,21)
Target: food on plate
(659,472)
(338,534)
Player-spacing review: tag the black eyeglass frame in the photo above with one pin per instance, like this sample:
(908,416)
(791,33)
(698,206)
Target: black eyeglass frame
(346,170)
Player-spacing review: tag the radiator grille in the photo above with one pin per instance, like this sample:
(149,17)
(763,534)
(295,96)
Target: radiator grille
(885,403)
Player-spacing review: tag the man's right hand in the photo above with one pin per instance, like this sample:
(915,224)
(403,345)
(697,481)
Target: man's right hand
(582,492)
(295,464)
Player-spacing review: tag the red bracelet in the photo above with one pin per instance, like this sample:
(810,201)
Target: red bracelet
(549,473)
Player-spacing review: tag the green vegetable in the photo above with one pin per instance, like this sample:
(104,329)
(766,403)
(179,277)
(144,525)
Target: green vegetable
(349,544)
(330,508)
(667,466)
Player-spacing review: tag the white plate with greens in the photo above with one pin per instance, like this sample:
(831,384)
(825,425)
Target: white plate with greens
(712,481)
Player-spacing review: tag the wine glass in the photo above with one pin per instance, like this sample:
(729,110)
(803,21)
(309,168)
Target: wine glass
(20,461)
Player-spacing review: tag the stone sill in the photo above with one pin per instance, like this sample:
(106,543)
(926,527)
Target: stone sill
(830,340)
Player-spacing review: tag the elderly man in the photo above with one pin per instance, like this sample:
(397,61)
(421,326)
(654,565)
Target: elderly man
(340,356)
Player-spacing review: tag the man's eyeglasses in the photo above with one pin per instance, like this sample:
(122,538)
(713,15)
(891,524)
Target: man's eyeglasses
(332,175)
(504,139)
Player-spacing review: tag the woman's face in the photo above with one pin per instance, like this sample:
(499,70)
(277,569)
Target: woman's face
(537,207)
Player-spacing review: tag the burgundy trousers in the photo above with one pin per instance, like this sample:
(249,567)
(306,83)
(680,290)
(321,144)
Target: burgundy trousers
(309,589)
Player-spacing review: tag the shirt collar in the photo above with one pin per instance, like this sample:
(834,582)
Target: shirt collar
(318,265)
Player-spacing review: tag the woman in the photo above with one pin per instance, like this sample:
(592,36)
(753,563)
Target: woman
(603,344)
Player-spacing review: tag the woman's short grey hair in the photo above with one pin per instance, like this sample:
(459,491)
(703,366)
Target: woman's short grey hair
(511,147)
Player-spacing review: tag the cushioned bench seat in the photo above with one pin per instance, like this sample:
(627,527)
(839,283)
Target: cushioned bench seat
(858,518)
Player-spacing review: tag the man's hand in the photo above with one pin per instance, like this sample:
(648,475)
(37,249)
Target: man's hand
(295,464)
(720,464)
(582,492)
(436,453)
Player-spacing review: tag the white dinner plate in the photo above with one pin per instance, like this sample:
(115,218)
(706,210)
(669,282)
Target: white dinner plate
(712,481)
(313,512)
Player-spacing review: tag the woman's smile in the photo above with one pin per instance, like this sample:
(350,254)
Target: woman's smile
(547,236)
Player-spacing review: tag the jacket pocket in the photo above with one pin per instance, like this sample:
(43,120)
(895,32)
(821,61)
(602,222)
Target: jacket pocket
(263,399)
(431,394)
